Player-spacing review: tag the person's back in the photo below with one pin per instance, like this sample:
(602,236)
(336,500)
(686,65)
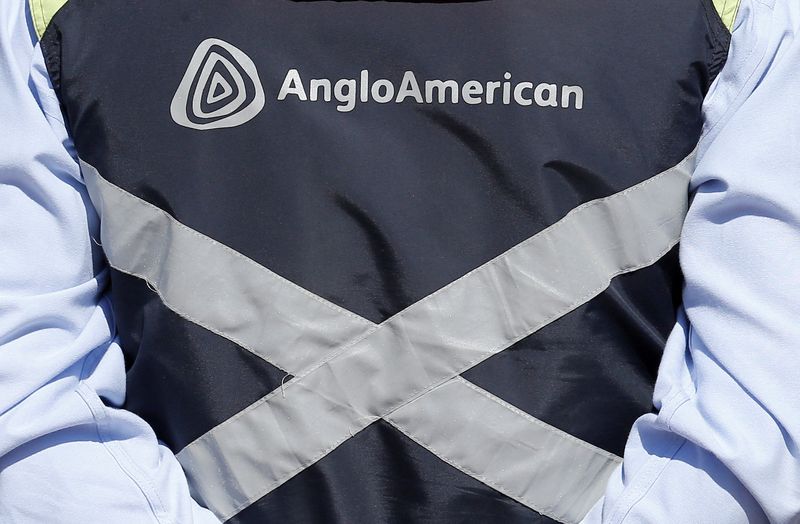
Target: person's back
(387,261)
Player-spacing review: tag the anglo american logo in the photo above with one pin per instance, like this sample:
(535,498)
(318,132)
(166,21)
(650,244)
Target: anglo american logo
(348,92)
(221,88)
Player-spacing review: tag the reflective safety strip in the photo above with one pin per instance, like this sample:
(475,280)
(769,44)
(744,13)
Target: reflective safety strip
(534,463)
(137,245)
(593,471)
(42,11)
(434,340)
(216,287)
(540,466)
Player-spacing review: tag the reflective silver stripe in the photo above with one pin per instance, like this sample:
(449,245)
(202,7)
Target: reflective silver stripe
(432,341)
(216,287)
(532,462)
(127,240)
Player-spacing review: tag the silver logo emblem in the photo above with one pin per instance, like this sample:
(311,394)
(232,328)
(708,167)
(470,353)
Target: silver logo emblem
(220,88)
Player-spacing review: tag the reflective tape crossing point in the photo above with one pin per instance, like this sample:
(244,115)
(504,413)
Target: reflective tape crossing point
(350,372)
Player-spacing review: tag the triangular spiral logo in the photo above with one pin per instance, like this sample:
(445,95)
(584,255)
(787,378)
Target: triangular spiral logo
(220,88)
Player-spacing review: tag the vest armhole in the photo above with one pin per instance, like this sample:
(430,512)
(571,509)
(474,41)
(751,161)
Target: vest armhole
(719,32)
(727,10)
(42,11)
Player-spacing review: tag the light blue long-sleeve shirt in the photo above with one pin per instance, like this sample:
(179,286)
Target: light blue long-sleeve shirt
(721,449)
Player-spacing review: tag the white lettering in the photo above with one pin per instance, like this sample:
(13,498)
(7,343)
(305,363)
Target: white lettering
(365,85)
(409,87)
(292,85)
(441,87)
(471,92)
(313,88)
(388,91)
(551,90)
(518,97)
(572,90)
(491,87)
(348,92)
(345,91)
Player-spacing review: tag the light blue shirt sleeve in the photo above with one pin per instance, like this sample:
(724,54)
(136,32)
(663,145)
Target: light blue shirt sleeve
(723,447)
(67,455)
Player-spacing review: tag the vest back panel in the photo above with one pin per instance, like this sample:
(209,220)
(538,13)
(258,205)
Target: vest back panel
(397,147)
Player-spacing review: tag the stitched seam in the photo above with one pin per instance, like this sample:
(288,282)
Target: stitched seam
(496,484)
(736,13)
(49,94)
(724,11)
(680,398)
(733,106)
(374,327)
(413,396)
(190,318)
(152,285)
(292,473)
(547,231)
(643,482)
(142,481)
(715,93)
(469,364)
(489,352)
(231,251)
(562,434)
(38,18)
(58,118)
(552,318)
(88,395)
(716,26)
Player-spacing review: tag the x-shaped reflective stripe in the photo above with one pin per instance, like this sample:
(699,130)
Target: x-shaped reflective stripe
(404,370)
(528,460)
